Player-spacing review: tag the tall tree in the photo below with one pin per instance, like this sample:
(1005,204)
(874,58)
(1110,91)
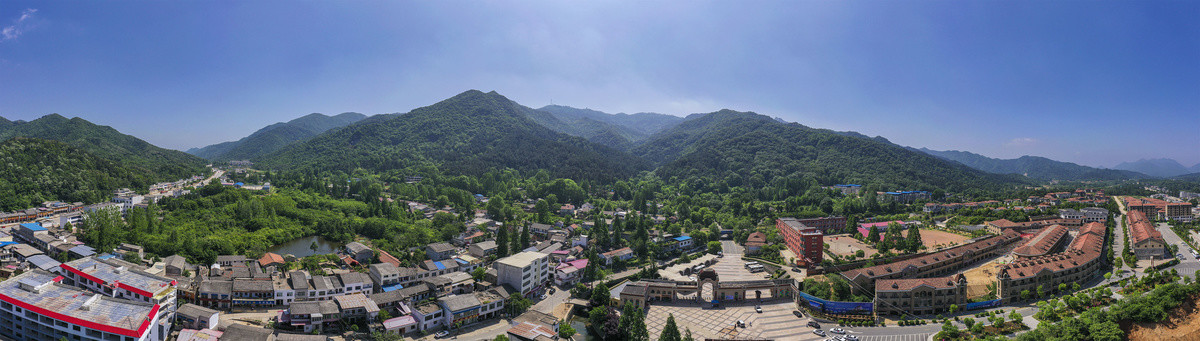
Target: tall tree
(913,241)
(502,241)
(515,243)
(670,331)
(524,237)
(873,237)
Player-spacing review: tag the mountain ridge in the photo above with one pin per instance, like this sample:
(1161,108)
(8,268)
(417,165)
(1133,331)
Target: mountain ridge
(106,142)
(275,136)
(1033,166)
(468,133)
(1161,167)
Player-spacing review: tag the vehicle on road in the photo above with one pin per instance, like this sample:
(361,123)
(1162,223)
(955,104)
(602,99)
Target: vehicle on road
(442,334)
(758,309)
(837,331)
(797,313)
(551,290)
(741,323)
(814,324)
(850,338)
(819,332)
(544,296)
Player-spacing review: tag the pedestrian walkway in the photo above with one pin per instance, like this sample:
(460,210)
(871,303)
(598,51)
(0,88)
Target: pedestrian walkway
(905,337)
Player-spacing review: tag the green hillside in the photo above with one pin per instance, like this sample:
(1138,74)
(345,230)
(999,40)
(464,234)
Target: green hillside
(276,136)
(1035,167)
(744,148)
(467,134)
(110,144)
(36,170)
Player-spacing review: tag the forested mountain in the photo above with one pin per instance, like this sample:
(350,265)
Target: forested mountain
(37,170)
(1164,168)
(468,134)
(621,131)
(645,123)
(1033,166)
(611,135)
(108,143)
(743,148)
(276,136)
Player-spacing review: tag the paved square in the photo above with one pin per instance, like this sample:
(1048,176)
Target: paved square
(775,322)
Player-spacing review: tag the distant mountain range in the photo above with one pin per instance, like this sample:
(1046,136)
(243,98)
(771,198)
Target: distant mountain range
(1034,166)
(470,133)
(275,136)
(107,143)
(1164,168)
(474,131)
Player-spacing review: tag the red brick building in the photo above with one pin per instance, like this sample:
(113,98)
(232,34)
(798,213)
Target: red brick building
(806,242)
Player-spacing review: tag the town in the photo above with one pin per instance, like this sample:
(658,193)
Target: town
(792,274)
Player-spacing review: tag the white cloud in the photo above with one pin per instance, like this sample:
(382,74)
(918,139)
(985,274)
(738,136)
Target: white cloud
(19,26)
(1022,142)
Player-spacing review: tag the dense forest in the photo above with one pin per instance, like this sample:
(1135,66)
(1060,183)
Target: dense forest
(1035,167)
(470,133)
(108,143)
(36,170)
(276,136)
(733,148)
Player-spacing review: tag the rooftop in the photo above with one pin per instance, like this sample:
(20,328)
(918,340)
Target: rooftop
(522,259)
(354,301)
(457,303)
(37,291)
(1043,242)
(108,272)
(441,247)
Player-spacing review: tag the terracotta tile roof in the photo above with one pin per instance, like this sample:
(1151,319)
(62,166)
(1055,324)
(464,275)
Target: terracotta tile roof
(1042,242)
(1083,250)
(1142,229)
(948,282)
(270,258)
(932,259)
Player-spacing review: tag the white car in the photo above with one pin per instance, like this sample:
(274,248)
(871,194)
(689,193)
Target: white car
(819,332)
(850,338)
(837,331)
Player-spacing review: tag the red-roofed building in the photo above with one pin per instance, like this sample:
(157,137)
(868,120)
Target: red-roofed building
(805,242)
(1157,209)
(1145,240)
(1082,261)
(270,259)
(1042,243)
(388,258)
(919,296)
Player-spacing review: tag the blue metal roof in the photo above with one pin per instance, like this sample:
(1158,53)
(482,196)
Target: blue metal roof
(683,238)
(106,256)
(439,265)
(33,226)
(392,287)
(3,244)
(463,262)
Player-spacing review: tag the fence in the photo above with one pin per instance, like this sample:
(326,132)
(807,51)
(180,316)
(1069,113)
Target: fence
(835,307)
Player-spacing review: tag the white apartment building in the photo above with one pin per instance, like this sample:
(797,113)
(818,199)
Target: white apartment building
(527,272)
(36,306)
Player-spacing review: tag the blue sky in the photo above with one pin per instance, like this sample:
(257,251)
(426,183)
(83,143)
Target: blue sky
(1095,83)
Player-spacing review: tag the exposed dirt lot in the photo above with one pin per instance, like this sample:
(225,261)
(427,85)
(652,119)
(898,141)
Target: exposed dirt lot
(1184,324)
(979,277)
(934,239)
(845,245)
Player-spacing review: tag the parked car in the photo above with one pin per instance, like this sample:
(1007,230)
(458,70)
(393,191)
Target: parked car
(837,331)
(819,332)
(814,324)
(797,313)
(758,309)
(551,290)
(442,334)
(850,338)
(741,323)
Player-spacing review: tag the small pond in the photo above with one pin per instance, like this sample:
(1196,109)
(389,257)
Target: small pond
(303,247)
